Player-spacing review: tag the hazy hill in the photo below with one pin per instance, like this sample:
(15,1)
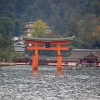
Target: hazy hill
(67,17)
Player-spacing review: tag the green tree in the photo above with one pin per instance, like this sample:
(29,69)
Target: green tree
(6,47)
(17,28)
(73,28)
(1,41)
(8,24)
(39,29)
(2,29)
(96,7)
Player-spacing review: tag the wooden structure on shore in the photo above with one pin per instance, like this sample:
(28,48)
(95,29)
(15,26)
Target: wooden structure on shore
(36,42)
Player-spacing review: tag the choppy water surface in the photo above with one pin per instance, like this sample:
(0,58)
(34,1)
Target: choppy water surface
(19,83)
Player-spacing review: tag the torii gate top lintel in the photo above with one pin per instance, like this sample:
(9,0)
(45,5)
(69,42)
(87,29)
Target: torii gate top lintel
(48,40)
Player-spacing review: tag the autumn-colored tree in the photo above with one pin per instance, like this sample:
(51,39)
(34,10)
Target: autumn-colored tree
(39,29)
(96,33)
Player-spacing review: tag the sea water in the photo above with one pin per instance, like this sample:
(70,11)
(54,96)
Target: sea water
(20,83)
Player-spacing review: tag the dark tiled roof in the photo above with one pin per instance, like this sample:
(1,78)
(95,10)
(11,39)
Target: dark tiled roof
(81,53)
(72,59)
(49,58)
(92,56)
(97,55)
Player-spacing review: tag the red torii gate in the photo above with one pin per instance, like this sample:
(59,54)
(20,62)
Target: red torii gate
(47,42)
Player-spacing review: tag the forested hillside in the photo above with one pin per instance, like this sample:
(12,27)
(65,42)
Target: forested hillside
(80,18)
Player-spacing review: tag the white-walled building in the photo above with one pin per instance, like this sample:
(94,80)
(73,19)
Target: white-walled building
(19,44)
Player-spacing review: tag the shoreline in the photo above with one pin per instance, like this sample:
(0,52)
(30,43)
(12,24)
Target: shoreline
(7,64)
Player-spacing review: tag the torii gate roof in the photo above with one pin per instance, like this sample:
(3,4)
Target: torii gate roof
(48,39)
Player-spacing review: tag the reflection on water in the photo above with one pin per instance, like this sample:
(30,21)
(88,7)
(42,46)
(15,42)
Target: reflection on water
(19,83)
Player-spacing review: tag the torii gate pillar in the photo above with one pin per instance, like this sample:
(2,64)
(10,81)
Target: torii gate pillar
(35,60)
(59,60)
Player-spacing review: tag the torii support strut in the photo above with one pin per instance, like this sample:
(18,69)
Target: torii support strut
(47,42)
